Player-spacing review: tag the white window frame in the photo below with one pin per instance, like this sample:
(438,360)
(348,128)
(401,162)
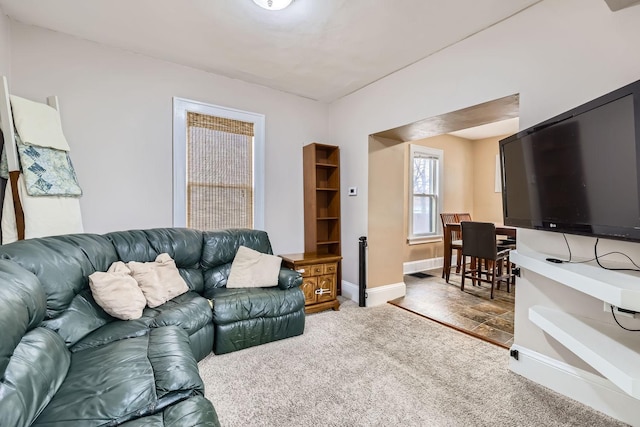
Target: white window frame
(180,108)
(437,235)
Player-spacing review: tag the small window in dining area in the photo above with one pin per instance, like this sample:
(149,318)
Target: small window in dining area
(425,198)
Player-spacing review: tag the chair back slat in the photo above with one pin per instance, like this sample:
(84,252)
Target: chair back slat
(454,218)
(450,218)
(463,217)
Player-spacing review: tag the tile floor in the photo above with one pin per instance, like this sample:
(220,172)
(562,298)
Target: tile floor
(471,310)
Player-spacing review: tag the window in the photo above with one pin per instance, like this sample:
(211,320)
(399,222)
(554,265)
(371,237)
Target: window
(218,167)
(425,191)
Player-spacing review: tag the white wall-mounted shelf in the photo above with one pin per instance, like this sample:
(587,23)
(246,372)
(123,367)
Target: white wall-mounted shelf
(618,289)
(612,351)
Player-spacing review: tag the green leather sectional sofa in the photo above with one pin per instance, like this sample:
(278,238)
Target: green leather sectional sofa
(65,362)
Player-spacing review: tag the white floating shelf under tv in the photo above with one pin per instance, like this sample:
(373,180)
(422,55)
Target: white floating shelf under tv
(610,350)
(618,289)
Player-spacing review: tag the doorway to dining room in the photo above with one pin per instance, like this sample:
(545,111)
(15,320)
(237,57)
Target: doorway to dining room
(468,185)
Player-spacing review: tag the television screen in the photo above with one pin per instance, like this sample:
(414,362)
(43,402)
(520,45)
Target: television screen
(577,173)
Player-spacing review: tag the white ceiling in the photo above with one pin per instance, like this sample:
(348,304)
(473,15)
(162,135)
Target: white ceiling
(319,49)
(503,127)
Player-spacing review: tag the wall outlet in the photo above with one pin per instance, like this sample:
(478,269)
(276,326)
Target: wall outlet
(353,191)
(621,312)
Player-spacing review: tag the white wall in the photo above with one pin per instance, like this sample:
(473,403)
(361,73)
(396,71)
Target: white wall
(556,55)
(5,49)
(116,111)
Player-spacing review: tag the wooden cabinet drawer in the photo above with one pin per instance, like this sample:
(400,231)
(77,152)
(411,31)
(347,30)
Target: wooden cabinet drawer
(331,268)
(316,270)
(310,270)
(305,270)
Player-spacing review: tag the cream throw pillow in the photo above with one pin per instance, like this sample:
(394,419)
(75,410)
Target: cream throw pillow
(253,269)
(159,281)
(117,292)
(38,124)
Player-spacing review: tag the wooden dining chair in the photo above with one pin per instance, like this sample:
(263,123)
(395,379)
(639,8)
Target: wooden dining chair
(456,244)
(479,243)
(463,217)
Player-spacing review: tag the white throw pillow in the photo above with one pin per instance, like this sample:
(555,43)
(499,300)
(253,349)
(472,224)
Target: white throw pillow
(253,269)
(159,281)
(38,124)
(117,292)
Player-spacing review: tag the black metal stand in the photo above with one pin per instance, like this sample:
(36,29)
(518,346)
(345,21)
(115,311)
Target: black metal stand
(362,276)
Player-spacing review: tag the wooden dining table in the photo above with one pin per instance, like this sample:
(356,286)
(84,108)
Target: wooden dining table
(451,228)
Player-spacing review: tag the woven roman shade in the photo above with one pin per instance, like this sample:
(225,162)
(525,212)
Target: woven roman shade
(219,172)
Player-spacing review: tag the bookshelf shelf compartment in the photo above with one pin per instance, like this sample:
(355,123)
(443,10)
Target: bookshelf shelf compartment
(618,289)
(609,349)
(612,351)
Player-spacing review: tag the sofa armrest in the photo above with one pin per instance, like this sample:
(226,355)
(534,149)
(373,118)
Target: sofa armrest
(288,279)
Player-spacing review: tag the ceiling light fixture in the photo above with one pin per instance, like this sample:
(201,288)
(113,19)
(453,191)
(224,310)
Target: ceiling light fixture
(273,4)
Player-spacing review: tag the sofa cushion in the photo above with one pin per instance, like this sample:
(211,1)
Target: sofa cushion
(253,269)
(62,263)
(193,412)
(117,292)
(33,360)
(251,332)
(159,280)
(188,311)
(220,248)
(233,305)
(124,380)
(183,245)
(34,374)
(22,307)
(81,317)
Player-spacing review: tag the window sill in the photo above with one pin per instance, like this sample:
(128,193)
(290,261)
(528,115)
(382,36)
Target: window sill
(422,240)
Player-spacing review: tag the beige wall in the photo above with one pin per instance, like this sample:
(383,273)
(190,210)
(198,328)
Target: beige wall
(458,193)
(469,186)
(387,231)
(487,204)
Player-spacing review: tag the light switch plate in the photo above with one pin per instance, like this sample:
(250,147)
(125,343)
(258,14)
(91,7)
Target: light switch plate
(353,191)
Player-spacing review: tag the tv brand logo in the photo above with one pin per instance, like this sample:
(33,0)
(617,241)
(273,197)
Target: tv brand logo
(552,225)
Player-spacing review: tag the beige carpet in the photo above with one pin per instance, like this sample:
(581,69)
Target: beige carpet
(381,366)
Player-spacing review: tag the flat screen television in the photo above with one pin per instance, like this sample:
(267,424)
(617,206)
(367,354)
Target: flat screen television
(577,172)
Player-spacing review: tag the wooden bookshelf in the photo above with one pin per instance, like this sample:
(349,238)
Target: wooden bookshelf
(321,172)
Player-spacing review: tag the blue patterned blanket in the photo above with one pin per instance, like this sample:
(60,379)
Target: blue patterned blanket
(46,171)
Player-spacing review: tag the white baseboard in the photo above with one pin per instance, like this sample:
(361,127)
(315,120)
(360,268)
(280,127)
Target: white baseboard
(425,265)
(350,290)
(374,296)
(577,384)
